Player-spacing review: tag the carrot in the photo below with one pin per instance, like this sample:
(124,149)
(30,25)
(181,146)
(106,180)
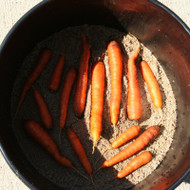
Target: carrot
(134,107)
(43,109)
(97,96)
(56,76)
(142,141)
(79,150)
(42,137)
(125,136)
(65,94)
(44,58)
(82,81)
(136,163)
(116,67)
(152,84)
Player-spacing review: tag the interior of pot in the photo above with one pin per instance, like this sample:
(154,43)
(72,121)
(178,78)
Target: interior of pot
(153,26)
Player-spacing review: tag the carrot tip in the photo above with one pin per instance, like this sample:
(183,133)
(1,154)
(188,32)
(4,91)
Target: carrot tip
(93,148)
(93,182)
(98,169)
(79,173)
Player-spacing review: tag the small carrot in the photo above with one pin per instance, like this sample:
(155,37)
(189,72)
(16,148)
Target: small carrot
(97,96)
(129,134)
(56,76)
(43,109)
(134,107)
(152,84)
(136,163)
(79,150)
(65,95)
(116,67)
(82,81)
(42,137)
(42,62)
(142,141)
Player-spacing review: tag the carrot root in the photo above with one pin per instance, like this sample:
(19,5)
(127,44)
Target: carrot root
(75,169)
(93,182)
(98,170)
(134,106)
(97,99)
(93,147)
(116,67)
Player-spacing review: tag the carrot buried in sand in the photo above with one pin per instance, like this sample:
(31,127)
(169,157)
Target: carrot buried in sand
(136,163)
(56,76)
(65,95)
(44,58)
(79,150)
(134,107)
(116,67)
(143,140)
(82,80)
(129,134)
(97,101)
(152,84)
(42,137)
(43,109)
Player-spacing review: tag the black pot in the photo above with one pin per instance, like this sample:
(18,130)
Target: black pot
(154,25)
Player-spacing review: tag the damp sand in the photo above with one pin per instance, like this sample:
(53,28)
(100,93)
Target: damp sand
(68,41)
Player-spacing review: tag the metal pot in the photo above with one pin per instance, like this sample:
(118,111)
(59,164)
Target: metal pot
(154,25)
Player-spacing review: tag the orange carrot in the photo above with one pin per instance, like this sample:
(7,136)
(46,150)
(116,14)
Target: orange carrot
(82,81)
(152,84)
(136,163)
(42,137)
(43,109)
(56,76)
(142,141)
(65,95)
(79,150)
(116,67)
(42,62)
(98,85)
(134,107)
(125,136)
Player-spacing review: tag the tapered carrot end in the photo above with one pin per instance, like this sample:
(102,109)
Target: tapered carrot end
(109,148)
(79,173)
(97,170)
(118,176)
(103,165)
(93,148)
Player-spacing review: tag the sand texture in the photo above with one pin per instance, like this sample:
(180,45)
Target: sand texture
(68,40)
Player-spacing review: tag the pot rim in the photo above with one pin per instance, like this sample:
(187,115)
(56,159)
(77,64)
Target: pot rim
(3,151)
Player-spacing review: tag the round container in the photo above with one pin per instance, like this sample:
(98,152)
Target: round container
(154,25)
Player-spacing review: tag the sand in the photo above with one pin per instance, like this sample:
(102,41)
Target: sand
(67,40)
